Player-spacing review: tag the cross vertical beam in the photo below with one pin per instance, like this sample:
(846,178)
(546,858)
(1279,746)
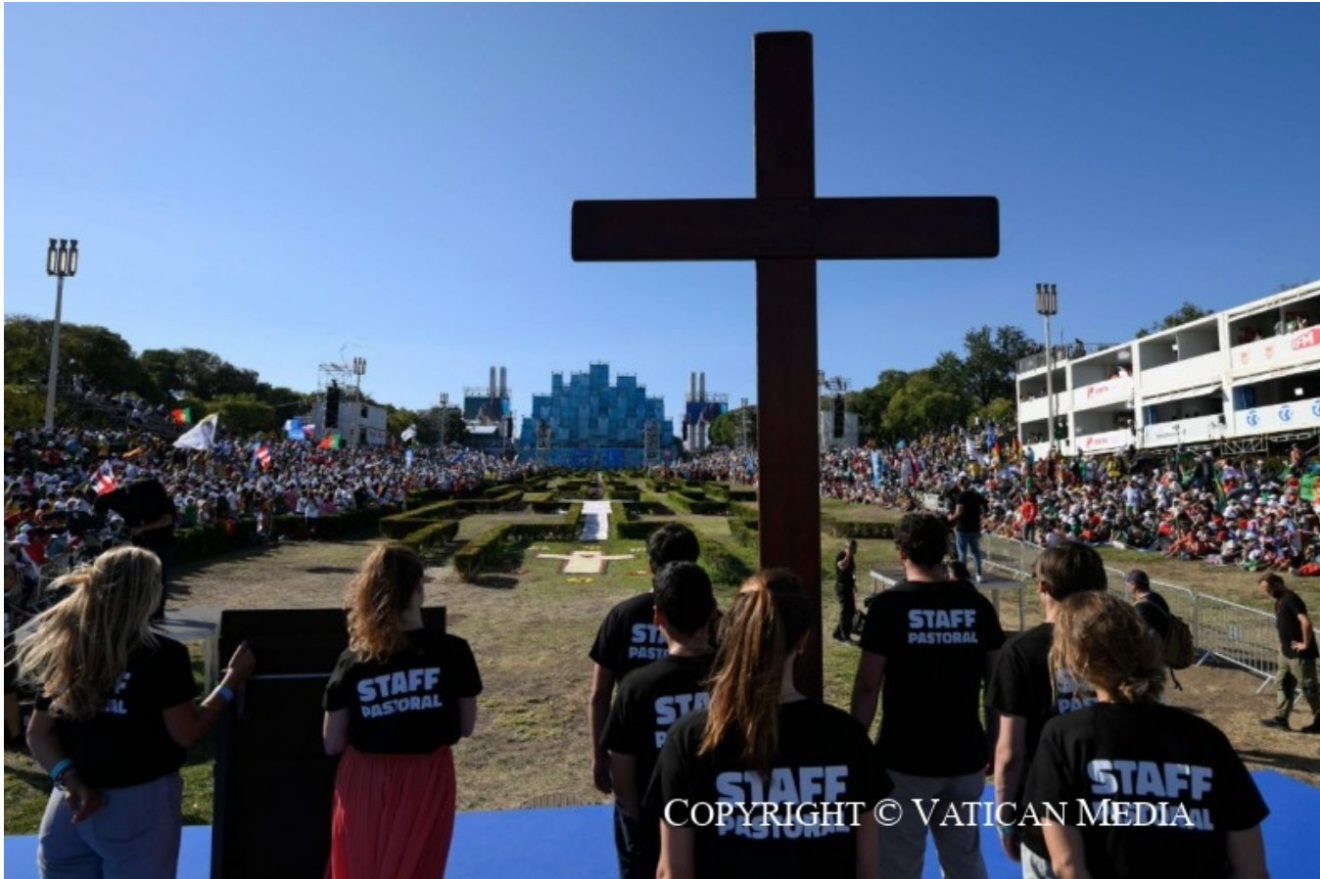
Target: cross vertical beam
(786,345)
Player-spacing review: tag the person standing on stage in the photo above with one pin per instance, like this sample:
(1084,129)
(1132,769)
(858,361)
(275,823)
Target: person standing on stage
(1025,694)
(761,744)
(114,719)
(652,699)
(928,643)
(400,696)
(628,639)
(1169,795)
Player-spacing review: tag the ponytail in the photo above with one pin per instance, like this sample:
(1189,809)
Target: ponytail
(766,620)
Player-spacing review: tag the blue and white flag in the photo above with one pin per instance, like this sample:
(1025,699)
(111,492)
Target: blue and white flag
(293,429)
(989,437)
(407,459)
(875,469)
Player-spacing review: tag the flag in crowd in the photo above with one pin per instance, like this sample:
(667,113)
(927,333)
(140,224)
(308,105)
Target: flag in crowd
(202,437)
(182,417)
(409,434)
(407,459)
(293,429)
(104,482)
(332,441)
(263,456)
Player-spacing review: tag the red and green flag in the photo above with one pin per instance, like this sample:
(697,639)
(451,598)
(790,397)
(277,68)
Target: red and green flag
(182,417)
(333,441)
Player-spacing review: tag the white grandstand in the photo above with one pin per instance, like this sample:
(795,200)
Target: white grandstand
(1240,378)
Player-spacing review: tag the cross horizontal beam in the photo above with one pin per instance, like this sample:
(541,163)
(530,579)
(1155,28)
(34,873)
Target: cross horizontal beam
(771,228)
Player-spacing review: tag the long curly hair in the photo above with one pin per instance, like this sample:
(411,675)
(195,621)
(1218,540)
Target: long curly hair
(81,645)
(377,598)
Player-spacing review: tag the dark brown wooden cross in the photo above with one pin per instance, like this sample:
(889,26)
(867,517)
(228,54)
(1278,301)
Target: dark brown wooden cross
(786,229)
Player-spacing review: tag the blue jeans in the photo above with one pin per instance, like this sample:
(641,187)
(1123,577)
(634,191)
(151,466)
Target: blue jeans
(134,835)
(969,541)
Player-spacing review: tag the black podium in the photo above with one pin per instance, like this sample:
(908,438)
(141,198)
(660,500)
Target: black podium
(273,780)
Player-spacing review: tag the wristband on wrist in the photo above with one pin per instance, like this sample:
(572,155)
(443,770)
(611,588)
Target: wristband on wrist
(59,770)
(225,693)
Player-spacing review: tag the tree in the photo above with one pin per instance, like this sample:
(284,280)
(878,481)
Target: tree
(924,404)
(726,430)
(25,407)
(991,362)
(999,411)
(872,402)
(104,359)
(1186,313)
(243,414)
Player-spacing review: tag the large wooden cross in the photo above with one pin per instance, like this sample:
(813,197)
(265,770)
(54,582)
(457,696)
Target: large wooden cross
(786,229)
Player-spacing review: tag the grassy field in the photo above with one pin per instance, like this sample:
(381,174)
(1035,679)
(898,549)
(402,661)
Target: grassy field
(531,626)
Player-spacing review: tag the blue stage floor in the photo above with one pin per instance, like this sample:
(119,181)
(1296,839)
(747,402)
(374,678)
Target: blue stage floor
(580,842)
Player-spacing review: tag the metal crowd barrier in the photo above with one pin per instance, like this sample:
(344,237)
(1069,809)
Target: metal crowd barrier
(1222,630)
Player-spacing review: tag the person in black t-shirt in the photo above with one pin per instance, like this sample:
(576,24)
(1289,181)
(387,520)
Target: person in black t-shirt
(845,589)
(114,719)
(628,639)
(399,697)
(765,782)
(651,700)
(149,517)
(968,509)
(1128,787)
(929,643)
(1025,693)
(1297,654)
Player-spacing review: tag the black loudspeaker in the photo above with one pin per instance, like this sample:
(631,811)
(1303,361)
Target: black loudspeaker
(332,406)
(273,780)
(838,416)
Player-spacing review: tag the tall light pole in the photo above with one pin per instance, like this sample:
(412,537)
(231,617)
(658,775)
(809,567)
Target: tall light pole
(359,370)
(62,262)
(1047,305)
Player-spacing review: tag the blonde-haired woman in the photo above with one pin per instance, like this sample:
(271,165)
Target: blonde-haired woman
(114,719)
(761,741)
(1130,787)
(399,697)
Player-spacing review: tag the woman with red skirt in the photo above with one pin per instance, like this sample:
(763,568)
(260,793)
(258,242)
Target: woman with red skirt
(399,697)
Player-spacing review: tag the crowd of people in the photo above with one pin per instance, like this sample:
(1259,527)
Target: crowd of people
(65,491)
(1256,513)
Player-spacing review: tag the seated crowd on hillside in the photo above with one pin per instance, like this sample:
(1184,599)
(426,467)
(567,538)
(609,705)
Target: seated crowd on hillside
(1223,512)
(53,480)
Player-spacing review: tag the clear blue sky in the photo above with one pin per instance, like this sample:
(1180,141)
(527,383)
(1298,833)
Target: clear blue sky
(275,182)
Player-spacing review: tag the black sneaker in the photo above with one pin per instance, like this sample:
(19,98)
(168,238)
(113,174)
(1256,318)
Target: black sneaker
(1275,723)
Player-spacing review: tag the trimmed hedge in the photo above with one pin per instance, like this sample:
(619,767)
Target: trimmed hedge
(723,565)
(429,535)
(478,555)
(196,544)
(401,525)
(743,532)
(853,528)
(742,495)
(333,527)
(640,530)
(685,504)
